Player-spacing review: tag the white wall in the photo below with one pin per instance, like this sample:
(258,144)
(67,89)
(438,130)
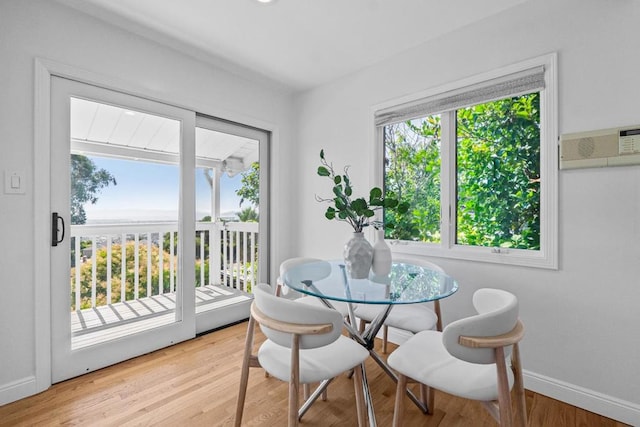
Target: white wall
(582,340)
(45,29)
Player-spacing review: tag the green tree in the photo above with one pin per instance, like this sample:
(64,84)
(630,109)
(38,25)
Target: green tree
(87,180)
(498,174)
(250,190)
(413,174)
(248,214)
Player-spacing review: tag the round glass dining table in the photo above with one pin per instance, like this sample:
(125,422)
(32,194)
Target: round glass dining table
(407,283)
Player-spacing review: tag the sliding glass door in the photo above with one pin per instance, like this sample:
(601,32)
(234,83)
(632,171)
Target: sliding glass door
(159,224)
(232,214)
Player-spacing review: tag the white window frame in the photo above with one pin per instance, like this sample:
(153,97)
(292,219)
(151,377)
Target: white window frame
(547,255)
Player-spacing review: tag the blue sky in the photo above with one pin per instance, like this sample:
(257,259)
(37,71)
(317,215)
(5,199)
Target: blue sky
(149,192)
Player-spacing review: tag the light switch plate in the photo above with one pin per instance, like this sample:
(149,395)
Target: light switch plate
(14,182)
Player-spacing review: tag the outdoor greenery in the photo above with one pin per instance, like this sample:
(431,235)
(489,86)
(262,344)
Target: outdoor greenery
(498,175)
(116,265)
(356,211)
(87,180)
(245,266)
(250,189)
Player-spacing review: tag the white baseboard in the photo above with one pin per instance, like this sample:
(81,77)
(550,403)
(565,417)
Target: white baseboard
(17,390)
(608,406)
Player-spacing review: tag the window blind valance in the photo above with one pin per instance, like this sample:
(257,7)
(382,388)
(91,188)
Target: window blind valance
(515,84)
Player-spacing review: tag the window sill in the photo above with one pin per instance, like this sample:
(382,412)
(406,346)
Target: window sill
(505,256)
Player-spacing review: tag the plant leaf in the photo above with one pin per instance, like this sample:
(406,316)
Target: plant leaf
(322,171)
(359,206)
(330,213)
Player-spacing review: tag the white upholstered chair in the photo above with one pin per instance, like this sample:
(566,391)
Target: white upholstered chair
(318,270)
(408,317)
(304,345)
(469,359)
(321,269)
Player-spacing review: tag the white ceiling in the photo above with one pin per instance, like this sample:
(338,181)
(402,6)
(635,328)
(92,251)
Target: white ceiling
(297,43)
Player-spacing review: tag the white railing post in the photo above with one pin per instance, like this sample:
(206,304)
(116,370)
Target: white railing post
(160,263)
(210,231)
(245,236)
(123,269)
(172,268)
(215,267)
(225,256)
(254,261)
(202,235)
(78,268)
(108,269)
(136,266)
(93,271)
(233,250)
(149,282)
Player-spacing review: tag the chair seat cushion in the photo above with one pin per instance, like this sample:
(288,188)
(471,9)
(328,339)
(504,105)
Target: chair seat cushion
(342,307)
(410,317)
(424,358)
(316,364)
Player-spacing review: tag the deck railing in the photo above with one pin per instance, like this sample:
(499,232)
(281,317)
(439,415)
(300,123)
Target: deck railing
(226,254)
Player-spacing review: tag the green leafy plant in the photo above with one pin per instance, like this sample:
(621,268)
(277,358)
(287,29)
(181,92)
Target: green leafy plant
(357,211)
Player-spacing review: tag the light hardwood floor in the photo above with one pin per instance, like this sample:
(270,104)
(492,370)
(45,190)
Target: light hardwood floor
(196,383)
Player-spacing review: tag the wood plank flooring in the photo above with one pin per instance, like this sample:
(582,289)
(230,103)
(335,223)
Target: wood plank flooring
(196,383)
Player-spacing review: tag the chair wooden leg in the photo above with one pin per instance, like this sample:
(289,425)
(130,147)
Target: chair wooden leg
(294,381)
(436,307)
(362,325)
(244,376)
(504,396)
(426,397)
(423,394)
(520,400)
(398,409)
(357,384)
(430,400)
(385,334)
(305,391)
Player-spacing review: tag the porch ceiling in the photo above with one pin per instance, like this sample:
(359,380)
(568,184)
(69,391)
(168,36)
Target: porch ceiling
(113,131)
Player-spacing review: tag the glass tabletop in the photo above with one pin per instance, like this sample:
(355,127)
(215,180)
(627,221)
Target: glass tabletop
(406,284)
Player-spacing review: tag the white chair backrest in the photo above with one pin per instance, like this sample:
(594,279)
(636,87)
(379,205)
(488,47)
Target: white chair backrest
(318,271)
(497,315)
(288,311)
(418,261)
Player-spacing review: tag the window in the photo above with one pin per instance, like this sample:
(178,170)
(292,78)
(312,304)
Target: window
(477,161)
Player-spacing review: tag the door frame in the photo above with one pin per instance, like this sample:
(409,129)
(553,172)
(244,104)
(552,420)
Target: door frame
(44,69)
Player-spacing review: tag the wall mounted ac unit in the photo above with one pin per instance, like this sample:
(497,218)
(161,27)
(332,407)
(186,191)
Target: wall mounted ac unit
(601,148)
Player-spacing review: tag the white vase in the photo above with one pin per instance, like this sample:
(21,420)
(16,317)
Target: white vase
(358,254)
(381,265)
